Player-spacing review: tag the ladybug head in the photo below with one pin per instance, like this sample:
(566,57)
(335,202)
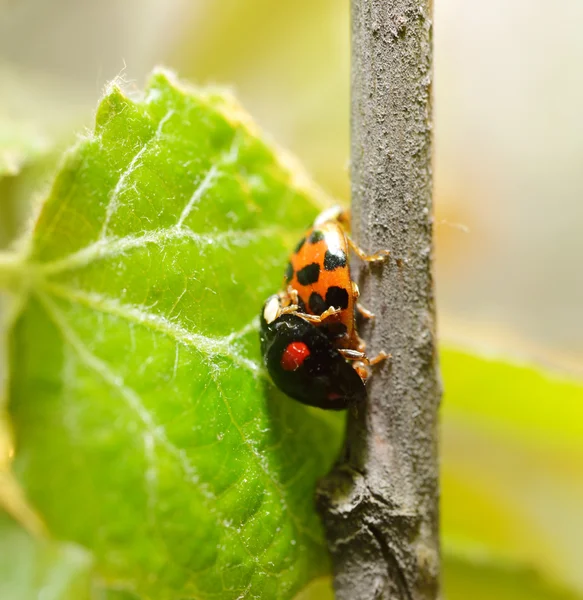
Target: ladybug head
(304,364)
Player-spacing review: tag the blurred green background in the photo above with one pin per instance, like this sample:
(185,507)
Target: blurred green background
(508,223)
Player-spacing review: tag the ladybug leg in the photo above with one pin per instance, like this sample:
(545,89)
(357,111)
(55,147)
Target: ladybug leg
(367,314)
(329,312)
(319,318)
(286,303)
(352,354)
(362,370)
(362,357)
(292,308)
(356,342)
(285,298)
(290,304)
(292,294)
(379,256)
(360,364)
(344,218)
(379,358)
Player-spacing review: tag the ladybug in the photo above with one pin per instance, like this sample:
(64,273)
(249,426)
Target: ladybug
(309,339)
(303,363)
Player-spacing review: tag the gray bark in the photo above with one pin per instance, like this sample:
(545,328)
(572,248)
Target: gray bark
(380,504)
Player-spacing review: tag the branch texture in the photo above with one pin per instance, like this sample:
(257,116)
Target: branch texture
(380,506)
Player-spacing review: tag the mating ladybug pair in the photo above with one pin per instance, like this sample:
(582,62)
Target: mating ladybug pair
(309,340)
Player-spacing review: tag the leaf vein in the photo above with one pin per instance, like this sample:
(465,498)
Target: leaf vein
(110,247)
(116,381)
(206,345)
(134,402)
(227,157)
(113,203)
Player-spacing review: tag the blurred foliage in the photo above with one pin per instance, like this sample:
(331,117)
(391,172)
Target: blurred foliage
(466,580)
(512,456)
(19,194)
(33,569)
(19,142)
(37,122)
(300,99)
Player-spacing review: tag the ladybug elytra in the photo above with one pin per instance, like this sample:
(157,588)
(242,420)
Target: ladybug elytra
(309,339)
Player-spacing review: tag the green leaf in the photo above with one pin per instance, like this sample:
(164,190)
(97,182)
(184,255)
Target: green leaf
(146,429)
(520,399)
(32,569)
(512,465)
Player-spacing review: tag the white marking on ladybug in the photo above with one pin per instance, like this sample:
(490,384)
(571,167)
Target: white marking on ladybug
(271,310)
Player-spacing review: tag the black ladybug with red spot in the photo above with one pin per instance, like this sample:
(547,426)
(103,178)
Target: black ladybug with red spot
(312,350)
(304,364)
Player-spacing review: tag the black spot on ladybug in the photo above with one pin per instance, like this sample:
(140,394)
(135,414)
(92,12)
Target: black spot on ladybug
(316,236)
(333,260)
(337,297)
(309,274)
(289,272)
(301,305)
(300,244)
(317,304)
(334,330)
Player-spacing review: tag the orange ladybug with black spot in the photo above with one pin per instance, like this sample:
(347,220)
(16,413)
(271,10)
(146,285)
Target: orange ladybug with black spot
(316,311)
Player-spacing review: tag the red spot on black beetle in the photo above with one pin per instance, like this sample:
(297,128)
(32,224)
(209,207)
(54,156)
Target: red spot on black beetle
(294,356)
